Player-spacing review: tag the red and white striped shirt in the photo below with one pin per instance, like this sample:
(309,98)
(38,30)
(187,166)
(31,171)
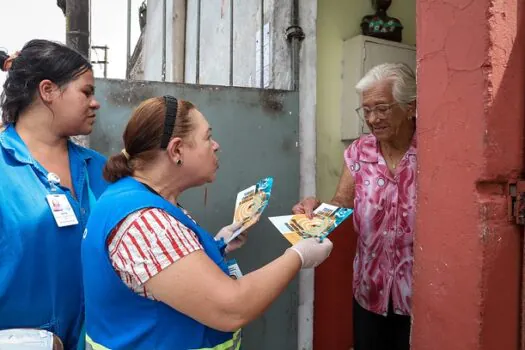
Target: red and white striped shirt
(145,243)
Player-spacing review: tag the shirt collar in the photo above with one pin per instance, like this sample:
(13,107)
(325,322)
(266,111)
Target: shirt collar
(370,149)
(13,143)
(83,152)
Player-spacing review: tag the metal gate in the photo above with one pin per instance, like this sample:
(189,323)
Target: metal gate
(258,133)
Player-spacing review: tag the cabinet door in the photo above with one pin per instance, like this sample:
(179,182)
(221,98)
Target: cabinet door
(379,53)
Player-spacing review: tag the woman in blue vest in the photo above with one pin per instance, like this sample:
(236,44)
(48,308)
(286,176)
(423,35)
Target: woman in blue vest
(153,278)
(48,186)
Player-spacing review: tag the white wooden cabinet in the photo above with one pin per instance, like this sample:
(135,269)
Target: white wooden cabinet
(361,53)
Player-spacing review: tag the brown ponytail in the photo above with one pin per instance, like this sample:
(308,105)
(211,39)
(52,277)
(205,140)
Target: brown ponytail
(117,167)
(142,136)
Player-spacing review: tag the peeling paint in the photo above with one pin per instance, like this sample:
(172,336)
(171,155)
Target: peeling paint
(271,101)
(130,94)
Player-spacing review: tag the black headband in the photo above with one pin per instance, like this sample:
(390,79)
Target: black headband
(169,120)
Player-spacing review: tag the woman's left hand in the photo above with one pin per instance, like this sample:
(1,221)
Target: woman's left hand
(237,242)
(227,231)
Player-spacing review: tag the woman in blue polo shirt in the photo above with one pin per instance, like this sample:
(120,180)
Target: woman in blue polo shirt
(48,184)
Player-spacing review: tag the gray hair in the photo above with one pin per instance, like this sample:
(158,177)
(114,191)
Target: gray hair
(404,87)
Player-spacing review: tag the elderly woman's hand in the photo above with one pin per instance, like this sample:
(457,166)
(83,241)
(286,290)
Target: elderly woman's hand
(306,206)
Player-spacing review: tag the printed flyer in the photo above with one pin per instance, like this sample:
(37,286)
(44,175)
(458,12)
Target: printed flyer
(250,203)
(296,227)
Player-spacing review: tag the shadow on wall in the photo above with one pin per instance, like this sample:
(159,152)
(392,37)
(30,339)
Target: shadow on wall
(506,131)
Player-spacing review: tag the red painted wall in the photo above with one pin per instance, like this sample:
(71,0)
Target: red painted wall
(471,124)
(333,293)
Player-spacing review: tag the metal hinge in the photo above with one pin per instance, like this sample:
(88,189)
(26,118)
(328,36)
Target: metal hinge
(516,201)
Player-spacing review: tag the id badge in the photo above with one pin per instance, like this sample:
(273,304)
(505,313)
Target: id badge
(61,210)
(233,269)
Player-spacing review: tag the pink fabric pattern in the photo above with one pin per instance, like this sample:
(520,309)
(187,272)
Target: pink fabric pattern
(384,219)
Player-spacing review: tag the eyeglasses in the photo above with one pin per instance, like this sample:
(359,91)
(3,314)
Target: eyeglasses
(381,111)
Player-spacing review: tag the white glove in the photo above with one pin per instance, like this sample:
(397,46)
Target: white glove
(227,231)
(312,252)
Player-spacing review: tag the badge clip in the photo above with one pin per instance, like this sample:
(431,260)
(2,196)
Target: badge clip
(54,181)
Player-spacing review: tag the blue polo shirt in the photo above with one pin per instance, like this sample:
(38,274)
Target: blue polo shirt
(40,267)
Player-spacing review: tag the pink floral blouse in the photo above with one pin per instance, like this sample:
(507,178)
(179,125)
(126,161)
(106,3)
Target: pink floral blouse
(384,219)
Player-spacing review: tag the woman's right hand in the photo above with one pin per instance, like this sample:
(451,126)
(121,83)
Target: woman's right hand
(306,206)
(312,251)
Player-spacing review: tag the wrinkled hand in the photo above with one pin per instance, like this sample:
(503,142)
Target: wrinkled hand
(306,206)
(312,251)
(227,231)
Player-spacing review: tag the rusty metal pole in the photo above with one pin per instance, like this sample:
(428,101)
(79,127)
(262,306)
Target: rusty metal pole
(295,34)
(77,25)
(77,36)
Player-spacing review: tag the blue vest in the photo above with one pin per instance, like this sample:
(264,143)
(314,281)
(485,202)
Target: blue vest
(40,271)
(117,317)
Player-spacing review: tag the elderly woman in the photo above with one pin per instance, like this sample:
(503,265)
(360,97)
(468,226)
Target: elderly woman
(153,277)
(379,182)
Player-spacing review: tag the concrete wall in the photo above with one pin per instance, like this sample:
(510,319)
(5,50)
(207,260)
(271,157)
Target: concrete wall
(338,20)
(467,255)
(153,43)
(209,43)
(307,137)
(211,53)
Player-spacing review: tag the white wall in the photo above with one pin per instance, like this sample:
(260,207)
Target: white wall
(216,52)
(153,43)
